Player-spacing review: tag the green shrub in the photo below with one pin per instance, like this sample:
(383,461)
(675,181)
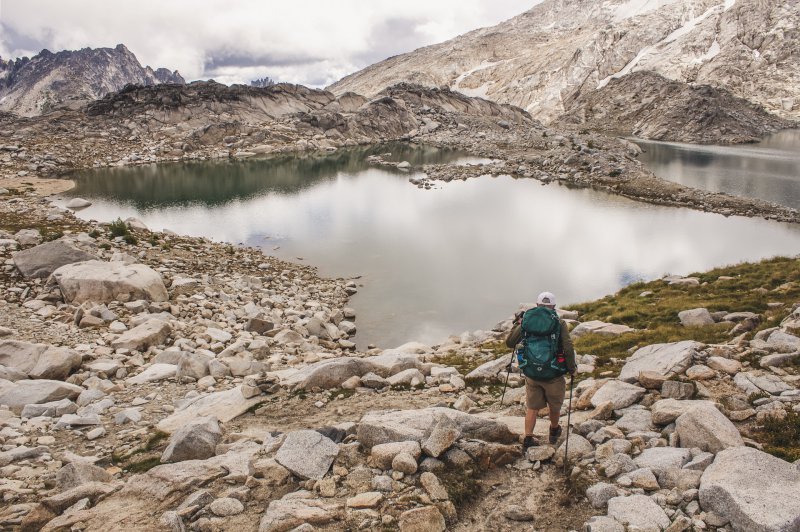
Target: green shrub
(118,228)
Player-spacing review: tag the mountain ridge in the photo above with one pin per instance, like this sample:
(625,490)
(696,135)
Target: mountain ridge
(32,86)
(541,60)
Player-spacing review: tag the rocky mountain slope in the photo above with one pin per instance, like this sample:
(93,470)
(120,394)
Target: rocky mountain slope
(31,86)
(156,382)
(542,59)
(647,105)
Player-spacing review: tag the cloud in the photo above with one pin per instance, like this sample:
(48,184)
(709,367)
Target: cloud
(313,42)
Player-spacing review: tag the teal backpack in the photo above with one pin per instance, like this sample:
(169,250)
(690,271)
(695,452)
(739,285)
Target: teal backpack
(538,352)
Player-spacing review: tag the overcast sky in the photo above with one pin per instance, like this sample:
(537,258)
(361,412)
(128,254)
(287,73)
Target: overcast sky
(312,42)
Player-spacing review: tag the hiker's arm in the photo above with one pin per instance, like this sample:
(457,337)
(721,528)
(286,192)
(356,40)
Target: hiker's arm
(514,337)
(567,347)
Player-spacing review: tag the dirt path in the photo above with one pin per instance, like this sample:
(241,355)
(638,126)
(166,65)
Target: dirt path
(544,493)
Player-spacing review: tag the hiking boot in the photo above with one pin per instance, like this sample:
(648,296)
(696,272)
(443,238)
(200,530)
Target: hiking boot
(554,434)
(529,441)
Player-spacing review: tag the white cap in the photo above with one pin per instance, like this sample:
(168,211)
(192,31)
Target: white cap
(547,299)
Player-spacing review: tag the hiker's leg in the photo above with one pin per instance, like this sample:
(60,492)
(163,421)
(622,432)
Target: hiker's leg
(555,391)
(554,415)
(530,421)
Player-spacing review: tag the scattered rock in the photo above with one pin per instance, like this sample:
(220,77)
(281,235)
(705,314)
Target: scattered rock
(307,454)
(197,440)
(638,511)
(705,427)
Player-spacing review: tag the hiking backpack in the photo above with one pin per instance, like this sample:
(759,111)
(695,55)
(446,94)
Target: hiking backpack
(537,354)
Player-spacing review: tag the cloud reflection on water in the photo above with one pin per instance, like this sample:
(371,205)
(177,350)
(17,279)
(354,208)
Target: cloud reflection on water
(461,256)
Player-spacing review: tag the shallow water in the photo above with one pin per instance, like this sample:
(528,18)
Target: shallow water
(768,170)
(459,257)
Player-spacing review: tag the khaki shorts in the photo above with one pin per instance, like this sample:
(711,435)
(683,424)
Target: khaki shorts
(539,394)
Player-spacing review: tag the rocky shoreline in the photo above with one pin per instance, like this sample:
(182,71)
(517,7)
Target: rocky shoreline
(205,120)
(159,382)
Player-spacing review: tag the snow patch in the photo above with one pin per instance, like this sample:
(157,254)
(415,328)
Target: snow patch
(627,68)
(711,53)
(729,4)
(479,92)
(689,26)
(672,37)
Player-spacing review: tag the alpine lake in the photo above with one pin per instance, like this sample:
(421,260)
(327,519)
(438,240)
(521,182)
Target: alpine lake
(465,254)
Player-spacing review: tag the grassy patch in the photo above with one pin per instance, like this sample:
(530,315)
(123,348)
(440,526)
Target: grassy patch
(143,466)
(342,393)
(155,440)
(464,364)
(781,437)
(49,235)
(461,484)
(750,287)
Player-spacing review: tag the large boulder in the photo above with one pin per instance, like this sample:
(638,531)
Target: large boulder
(197,440)
(307,453)
(424,519)
(39,361)
(757,492)
(600,328)
(621,394)
(79,473)
(665,411)
(661,459)
(41,261)
(492,370)
(294,510)
(757,382)
(224,406)
(664,359)
(705,427)
(103,282)
(332,373)
(696,317)
(150,333)
(405,425)
(783,342)
(327,374)
(639,512)
(17,394)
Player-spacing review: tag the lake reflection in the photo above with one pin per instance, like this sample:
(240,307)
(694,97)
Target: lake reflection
(768,170)
(434,262)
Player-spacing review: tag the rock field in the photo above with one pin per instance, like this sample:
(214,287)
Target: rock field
(156,382)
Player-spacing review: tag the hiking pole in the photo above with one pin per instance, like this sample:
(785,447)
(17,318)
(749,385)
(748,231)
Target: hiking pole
(508,374)
(569,413)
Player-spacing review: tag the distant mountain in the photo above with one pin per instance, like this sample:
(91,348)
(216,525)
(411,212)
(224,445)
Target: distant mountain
(32,86)
(545,58)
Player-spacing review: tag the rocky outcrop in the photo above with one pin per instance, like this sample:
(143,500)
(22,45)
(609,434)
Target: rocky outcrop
(650,106)
(47,81)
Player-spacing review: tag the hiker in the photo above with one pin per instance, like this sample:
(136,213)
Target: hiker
(545,354)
